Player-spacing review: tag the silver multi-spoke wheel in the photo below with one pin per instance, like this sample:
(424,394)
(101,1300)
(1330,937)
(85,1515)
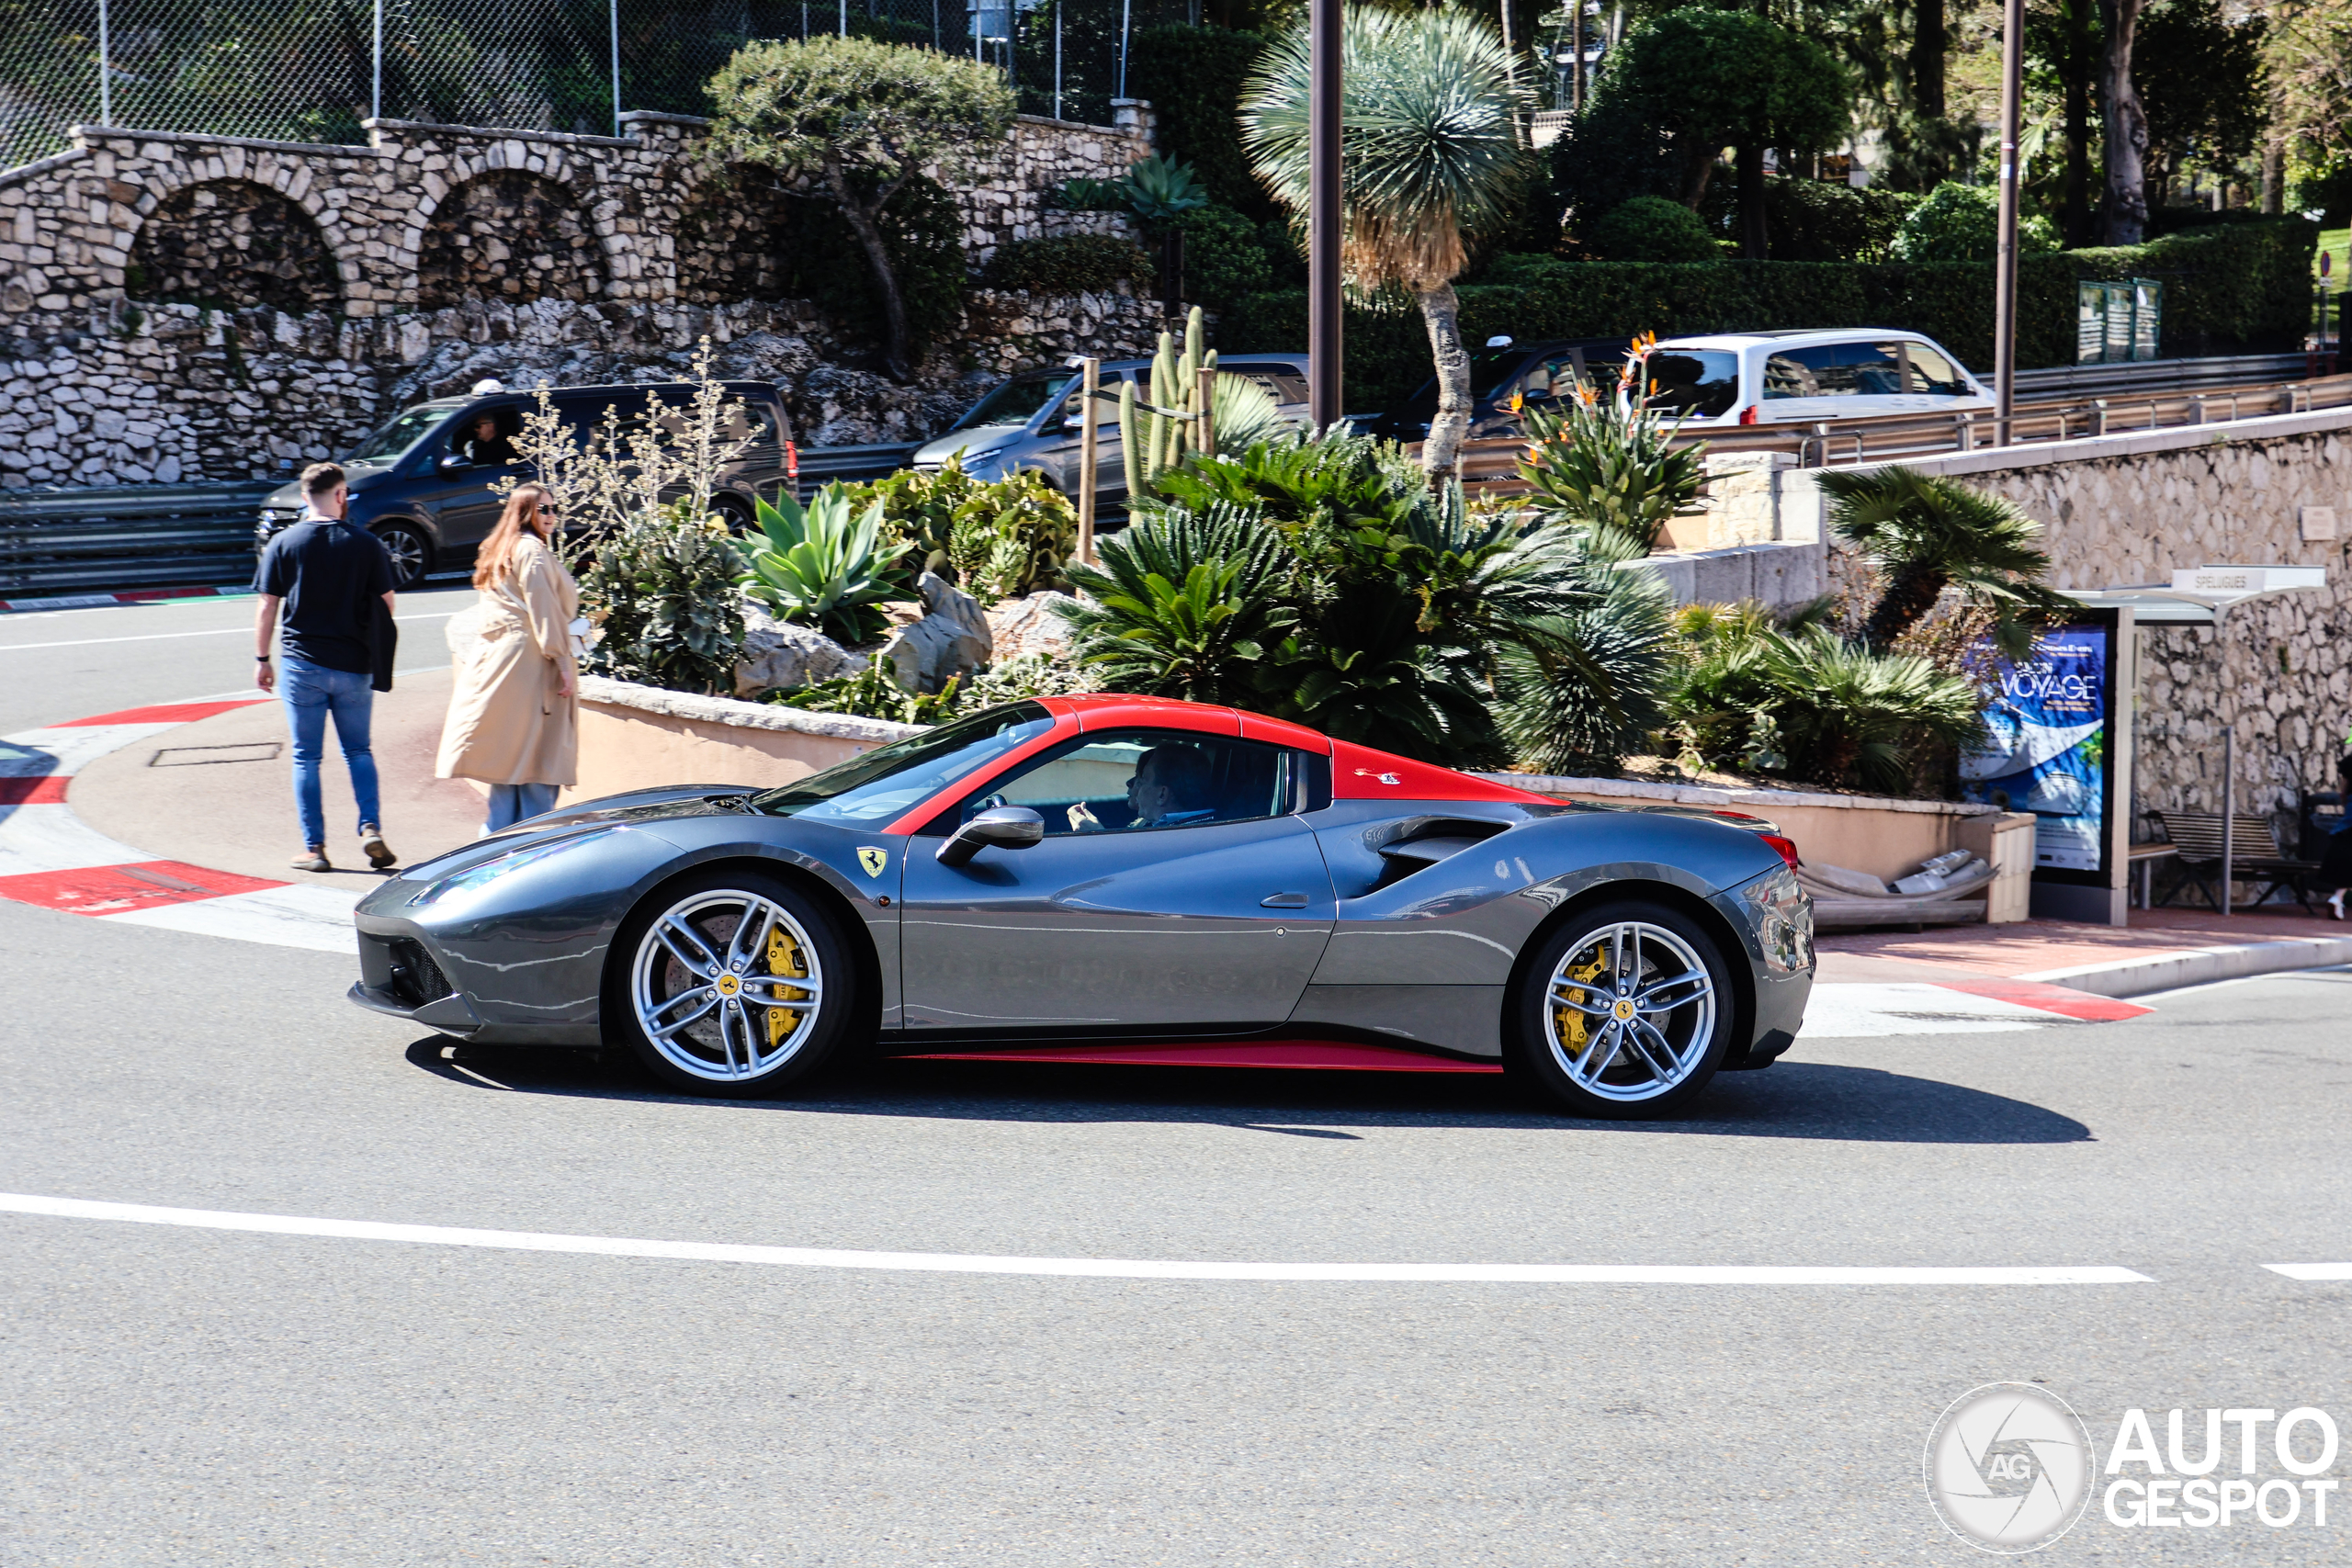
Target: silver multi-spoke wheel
(727,985)
(1630,1012)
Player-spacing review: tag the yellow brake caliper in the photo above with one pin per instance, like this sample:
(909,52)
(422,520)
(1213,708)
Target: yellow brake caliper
(1568,1021)
(784,958)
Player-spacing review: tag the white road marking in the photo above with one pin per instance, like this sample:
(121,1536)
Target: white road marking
(1848,1010)
(318,917)
(166,636)
(50,838)
(2314,1271)
(1081,1267)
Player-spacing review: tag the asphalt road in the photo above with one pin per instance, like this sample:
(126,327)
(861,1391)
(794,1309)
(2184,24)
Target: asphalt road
(183,1396)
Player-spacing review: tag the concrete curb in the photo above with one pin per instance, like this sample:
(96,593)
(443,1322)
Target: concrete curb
(2199,966)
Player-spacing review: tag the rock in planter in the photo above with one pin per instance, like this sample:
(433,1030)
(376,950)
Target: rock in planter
(952,639)
(1030,625)
(778,655)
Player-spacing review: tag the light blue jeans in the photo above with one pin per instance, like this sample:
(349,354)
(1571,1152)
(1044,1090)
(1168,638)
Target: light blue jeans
(313,693)
(510,804)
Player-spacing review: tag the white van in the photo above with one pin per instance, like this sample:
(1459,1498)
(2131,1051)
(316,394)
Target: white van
(1834,373)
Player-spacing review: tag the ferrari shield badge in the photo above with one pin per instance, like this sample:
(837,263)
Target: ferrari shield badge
(872,861)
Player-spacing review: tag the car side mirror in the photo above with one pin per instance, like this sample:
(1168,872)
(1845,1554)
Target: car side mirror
(454,464)
(999,827)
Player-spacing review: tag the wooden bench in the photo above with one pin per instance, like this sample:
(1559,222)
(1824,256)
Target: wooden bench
(2255,856)
(2143,867)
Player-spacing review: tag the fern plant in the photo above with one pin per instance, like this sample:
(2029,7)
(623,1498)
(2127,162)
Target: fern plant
(1182,606)
(827,565)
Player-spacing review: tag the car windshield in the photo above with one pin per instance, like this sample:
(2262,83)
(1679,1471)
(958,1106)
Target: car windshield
(399,435)
(1703,382)
(868,790)
(1015,402)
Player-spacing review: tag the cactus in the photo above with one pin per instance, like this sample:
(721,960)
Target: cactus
(1158,434)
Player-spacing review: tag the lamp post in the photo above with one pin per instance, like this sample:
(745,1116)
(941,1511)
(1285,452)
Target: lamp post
(1323,406)
(2005,263)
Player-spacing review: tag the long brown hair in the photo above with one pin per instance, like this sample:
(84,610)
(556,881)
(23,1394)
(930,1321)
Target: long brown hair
(496,557)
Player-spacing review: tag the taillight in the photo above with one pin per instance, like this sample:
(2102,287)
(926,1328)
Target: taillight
(1785,847)
(1747,414)
(792,459)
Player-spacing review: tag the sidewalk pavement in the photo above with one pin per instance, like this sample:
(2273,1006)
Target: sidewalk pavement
(2160,950)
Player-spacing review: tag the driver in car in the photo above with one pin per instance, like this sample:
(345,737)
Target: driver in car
(1169,788)
(485,446)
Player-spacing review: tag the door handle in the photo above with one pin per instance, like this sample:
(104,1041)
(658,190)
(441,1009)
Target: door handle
(1284,901)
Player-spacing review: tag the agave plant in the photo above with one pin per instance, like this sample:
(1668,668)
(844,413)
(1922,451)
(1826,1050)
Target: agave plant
(1160,190)
(825,567)
(1432,159)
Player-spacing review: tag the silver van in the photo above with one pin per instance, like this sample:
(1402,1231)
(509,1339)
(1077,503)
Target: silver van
(1031,421)
(1812,374)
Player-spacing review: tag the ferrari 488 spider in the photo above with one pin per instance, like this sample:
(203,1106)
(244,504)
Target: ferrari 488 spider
(1109,878)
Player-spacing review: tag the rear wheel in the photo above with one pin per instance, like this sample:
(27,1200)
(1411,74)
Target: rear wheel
(734,512)
(1626,1012)
(732,983)
(410,552)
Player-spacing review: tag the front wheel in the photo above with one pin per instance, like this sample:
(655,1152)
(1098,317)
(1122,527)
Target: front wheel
(732,983)
(410,553)
(1626,1011)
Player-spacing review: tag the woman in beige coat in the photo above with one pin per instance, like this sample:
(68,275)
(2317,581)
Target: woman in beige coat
(514,713)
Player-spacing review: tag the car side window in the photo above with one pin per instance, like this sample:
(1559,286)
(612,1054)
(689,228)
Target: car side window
(485,436)
(1934,375)
(582,415)
(1551,378)
(1121,781)
(1809,372)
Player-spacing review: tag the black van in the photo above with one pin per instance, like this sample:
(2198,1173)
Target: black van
(1537,373)
(423,482)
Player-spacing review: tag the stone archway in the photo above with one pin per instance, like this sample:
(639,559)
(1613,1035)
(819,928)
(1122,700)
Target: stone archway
(730,235)
(508,236)
(232,244)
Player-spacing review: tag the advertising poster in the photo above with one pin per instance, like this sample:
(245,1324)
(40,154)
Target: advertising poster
(2046,746)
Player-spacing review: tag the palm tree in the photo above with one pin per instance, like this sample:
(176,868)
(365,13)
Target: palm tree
(1432,159)
(1925,534)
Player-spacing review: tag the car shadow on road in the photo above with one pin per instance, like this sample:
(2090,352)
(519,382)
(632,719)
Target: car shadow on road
(1790,1100)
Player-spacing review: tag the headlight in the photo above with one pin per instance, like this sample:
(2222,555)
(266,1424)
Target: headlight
(475,878)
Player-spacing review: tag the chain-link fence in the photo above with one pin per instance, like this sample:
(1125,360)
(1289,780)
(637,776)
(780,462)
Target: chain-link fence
(311,69)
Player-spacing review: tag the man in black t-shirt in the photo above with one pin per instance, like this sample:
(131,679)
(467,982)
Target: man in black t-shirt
(484,445)
(328,575)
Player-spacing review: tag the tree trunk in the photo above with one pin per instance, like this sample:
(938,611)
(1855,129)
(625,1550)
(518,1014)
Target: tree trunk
(2123,206)
(865,223)
(1442,313)
(1928,43)
(2274,194)
(2076,73)
(1905,601)
(1694,189)
(1755,244)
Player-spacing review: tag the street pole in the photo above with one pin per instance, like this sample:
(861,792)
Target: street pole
(376,88)
(1091,384)
(614,12)
(2228,811)
(1058,57)
(1324,406)
(1127,19)
(106,69)
(2005,276)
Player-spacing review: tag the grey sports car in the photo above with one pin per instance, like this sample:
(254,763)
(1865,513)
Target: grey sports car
(1115,879)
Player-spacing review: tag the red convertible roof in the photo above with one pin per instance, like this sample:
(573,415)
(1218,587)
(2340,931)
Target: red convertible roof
(1358,772)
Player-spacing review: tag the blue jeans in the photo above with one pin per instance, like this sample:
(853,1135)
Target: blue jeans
(311,693)
(510,804)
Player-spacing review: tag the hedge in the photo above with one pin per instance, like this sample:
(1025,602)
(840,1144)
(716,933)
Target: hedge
(2237,289)
(1067,263)
(1193,77)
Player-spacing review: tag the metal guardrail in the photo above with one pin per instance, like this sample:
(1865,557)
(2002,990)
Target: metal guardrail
(129,536)
(1494,464)
(822,466)
(2144,376)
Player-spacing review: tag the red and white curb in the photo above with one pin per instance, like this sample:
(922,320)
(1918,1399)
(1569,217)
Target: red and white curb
(113,601)
(1867,1009)
(50,859)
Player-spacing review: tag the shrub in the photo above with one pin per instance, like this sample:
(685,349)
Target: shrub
(1823,221)
(662,591)
(924,232)
(1069,264)
(1650,229)
(2237,289)
(1961,223)
(1225,260)
(1000,539)
(1182,606)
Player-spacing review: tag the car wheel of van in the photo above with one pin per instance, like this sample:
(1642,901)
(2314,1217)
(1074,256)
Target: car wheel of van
(735,511)
(731,983)
(412,554)
(1626,1012)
